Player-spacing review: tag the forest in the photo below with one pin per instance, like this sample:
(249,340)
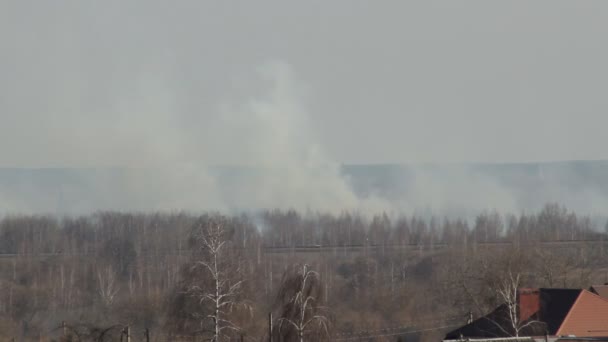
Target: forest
(278,275)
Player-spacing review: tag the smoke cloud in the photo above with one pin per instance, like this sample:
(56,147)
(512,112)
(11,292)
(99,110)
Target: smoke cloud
(151,105)
(141,157)
(142,151)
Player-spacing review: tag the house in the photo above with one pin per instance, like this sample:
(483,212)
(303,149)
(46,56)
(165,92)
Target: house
(546,314)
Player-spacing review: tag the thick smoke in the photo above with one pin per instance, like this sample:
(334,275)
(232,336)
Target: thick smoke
(143,158)
(143,151)
(293,171)
(155,105)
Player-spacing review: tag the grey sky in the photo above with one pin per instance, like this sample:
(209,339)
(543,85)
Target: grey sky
(98,83)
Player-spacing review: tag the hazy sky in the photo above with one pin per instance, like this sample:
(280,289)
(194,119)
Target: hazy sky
(86,83)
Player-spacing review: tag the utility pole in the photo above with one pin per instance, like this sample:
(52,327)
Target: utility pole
(270,327)
(64,328)
(127,333)
(147,335)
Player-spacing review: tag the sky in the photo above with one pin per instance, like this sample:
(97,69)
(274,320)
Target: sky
(138,83)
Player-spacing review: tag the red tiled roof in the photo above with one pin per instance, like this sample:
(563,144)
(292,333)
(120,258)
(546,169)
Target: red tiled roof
(588,317)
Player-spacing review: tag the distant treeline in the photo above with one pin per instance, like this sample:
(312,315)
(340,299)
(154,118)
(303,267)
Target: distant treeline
(138,269)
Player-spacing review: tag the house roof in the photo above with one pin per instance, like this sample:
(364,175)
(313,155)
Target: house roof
(482,327)
(555,305)
(587,317)
(493,325)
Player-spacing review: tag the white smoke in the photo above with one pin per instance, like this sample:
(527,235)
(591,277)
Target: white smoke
(161,161)
(274,135)
(163,156)
(456,190)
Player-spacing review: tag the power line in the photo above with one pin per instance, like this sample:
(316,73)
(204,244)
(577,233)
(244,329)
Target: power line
(395,334)
(404,325)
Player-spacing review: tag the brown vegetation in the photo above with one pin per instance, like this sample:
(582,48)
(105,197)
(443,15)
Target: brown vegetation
(408,278)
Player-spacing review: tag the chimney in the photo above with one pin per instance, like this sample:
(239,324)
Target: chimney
(528,301)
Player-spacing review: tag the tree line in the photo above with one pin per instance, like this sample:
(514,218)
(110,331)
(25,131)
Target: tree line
(179,276)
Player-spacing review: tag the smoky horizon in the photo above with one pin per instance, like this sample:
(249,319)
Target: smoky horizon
(339,106)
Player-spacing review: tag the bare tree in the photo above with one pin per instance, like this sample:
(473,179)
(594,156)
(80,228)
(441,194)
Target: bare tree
(224,294)
(302,311)
(107,285)
(508,292)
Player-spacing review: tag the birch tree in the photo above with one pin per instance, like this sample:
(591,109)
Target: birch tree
(508,292)
(108,288)
(301,309)
(224,293)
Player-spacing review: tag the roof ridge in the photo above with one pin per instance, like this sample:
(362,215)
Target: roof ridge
(580,294)
(595,294)
(583,292)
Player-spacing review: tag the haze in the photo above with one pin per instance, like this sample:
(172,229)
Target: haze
(300,86)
